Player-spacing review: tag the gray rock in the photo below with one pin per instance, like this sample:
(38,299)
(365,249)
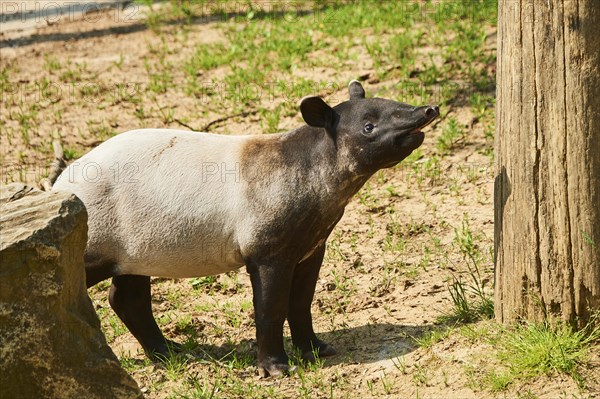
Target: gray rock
(51,345)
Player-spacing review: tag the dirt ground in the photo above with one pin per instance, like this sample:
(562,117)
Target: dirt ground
(372,298)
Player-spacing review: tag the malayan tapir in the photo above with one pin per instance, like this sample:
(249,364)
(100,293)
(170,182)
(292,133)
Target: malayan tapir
(173,203)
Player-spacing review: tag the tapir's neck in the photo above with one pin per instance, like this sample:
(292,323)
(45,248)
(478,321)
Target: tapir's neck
(312,152)
(304,162)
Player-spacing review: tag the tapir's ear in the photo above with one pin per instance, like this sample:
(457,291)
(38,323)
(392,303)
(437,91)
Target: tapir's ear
(317,113)
(356,90)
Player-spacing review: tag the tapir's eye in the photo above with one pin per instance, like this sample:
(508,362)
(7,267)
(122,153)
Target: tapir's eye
(369,127)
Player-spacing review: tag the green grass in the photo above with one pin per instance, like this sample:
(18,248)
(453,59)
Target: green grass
(465,308)
(175,367)
(425,171)
(471,298)
(420,53)
(271,45)
(452,135)
(202,283)
(432,337)
(531,349)
(74,72)
(270,119)
(51,64)
(481,104)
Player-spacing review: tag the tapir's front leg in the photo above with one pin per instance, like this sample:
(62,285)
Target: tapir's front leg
(304,281)
(271,290)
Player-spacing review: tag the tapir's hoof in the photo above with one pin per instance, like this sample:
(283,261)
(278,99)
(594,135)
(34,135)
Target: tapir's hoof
(322,350)
(327,350)
(274,370)
(164,351)
(174,346)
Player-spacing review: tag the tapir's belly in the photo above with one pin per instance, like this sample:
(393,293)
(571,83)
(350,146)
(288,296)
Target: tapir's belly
(166,234)
(166,244)
(201,259)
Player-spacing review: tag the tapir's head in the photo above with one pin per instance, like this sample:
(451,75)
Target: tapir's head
(376,133)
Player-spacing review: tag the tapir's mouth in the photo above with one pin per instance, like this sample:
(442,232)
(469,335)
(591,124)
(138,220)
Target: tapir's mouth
(422,126)
(412,136)
(429,114)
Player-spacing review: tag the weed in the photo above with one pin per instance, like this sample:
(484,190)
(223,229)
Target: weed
(154,18)
(385,284)
(480,104)
(27,119)
(426,170)
(497,382)
(370,386)
(235,360)
(5,84)
(344,288)
(207,57)
(70,153)
(477,332)
(128,363)
(175,365)
(471,300)
(532,349)
(159,81)
(167,114)
(334,249)
(467,310)
(388,384)
(529,395)
(116,327)
(272,118)
(51,64)
(73,73)
(200,388)
(140,113)
(99,130)
(451,135)
(199,283)
(400,364)
(588,240)
(420,376)
(431,337)
(243,86)
(367,197)
(120,62)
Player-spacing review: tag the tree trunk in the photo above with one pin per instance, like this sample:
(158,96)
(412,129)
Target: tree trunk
(547,187)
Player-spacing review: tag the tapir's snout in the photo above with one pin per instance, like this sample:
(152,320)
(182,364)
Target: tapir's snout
(421,117)
(425,115)
(432,111)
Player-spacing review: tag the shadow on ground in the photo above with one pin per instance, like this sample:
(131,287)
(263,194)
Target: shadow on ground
(365,344)
(137,25)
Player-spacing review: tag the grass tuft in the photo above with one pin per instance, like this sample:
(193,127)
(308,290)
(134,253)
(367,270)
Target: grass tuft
(533,349)
(451,135)
(471,299)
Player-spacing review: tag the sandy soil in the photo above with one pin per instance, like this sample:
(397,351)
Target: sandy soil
(370,301)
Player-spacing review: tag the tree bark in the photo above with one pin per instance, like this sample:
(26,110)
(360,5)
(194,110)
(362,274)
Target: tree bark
(547,148)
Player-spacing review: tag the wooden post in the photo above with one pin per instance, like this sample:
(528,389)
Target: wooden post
(547,148)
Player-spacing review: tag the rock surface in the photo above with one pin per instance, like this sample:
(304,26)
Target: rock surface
(51,345)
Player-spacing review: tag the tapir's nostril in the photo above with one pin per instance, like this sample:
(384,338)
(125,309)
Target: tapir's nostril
(432,111)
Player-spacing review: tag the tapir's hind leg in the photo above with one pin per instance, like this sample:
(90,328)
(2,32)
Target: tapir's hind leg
(131,300)
(304,281)
(97,269)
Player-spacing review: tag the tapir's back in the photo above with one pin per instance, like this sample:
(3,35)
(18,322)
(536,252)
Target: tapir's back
(159,200)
